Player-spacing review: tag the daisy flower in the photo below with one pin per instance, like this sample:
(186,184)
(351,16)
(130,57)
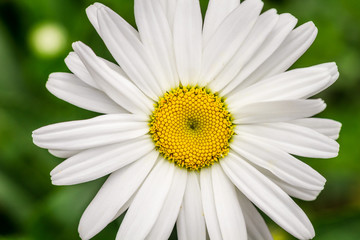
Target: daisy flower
(201,121)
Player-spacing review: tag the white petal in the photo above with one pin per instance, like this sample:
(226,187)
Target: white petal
(230,216)
(283,27)
(128,51)
(163,4)
(124,207)
(181,226)
(169,7)
(191,223)
(268,197)
(277,111)
(293,139)
(332,68)
(188,40)
(262,28)
(148,202)
(327,127)
(255,224)
(293,47)
(207,196)
(227,39)
(294,84)
(294,191)
(115,85)
(216,12)
(75,64)
(98,162)
(95,132)
(156,35)
(114,194)
(92,13)
(71,89)
(280,163)
(171,207)
(62,153)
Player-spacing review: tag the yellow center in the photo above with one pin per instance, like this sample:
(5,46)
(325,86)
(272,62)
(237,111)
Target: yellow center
(191,127)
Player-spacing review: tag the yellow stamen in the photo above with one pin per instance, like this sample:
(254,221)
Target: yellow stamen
(191,127)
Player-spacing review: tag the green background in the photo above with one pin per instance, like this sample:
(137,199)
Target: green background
(32,208)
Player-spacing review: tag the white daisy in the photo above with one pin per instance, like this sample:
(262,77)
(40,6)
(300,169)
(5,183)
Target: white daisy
(200,122)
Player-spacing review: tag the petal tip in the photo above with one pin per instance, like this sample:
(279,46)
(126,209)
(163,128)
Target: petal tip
(93,8)
(76,45)
(70,57)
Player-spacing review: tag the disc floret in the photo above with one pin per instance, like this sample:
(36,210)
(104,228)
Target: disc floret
(191,127)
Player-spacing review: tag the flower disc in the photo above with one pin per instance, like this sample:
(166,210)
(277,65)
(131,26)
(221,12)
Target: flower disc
(191,127)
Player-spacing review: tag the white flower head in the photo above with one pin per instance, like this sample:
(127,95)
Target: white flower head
(200,121)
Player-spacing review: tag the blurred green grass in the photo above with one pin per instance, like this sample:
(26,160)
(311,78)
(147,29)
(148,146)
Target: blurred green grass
(31,208)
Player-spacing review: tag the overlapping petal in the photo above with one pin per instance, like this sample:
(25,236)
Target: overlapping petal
(294,45)
(208,202)
(278,34)
(255,225)
(228,38)
(216,12)
(268,197)
(278,162)
(148,202)
(293,139)
(71,89)
(171,207)
(255,39)
(114,194)
(327,127)
(188,40)
(156,35)
(169,8)
(97,162)
(75,65)
(95,132)
(230,216)
(127,49)
(277,111)
(118,88)
(191,222)
(62,153)
(293,190)
(295,84)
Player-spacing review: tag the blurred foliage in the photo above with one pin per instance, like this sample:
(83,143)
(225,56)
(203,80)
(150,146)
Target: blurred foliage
(31,208)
